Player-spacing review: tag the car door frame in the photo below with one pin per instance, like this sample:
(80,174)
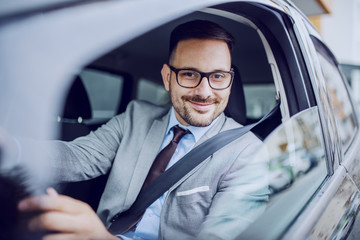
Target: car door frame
(312,217)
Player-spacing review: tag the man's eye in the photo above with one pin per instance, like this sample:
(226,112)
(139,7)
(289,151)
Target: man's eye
(188,74)
(218,76)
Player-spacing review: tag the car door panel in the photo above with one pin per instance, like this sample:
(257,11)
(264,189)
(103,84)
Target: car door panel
(340,213)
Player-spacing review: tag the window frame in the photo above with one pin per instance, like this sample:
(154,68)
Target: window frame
(271,23)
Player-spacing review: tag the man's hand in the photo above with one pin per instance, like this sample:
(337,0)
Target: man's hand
(65,217)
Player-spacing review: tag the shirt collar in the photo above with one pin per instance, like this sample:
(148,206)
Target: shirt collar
(197,132)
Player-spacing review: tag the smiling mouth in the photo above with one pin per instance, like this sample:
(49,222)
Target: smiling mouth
(200,104)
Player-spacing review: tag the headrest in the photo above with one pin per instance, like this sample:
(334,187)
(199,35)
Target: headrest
(236,107)
(77,102)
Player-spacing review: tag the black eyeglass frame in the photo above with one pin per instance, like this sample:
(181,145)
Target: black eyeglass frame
(202,75)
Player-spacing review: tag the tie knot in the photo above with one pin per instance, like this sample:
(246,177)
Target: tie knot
(179,133)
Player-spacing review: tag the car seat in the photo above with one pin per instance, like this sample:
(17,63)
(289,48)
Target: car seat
(77,108)
(236,109)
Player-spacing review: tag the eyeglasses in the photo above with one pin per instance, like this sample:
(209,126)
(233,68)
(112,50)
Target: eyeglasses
(190,78)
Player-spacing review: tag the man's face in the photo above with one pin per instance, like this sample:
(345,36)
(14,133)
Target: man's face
(201,105)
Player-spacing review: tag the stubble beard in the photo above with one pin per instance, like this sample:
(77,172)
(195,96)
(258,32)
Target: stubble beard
(194,117)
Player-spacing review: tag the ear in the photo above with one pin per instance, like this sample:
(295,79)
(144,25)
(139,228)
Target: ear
(165,73)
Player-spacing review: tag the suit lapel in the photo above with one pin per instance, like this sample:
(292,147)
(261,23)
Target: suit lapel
(148,152)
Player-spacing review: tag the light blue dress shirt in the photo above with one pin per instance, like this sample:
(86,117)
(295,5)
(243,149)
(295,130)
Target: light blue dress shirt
(148,226)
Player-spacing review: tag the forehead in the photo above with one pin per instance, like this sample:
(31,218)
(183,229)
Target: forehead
(200,53)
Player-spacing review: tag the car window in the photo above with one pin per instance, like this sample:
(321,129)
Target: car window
(104,91)
(295,154)
(257,83)
(352,74)
(260,99)
(93,98)
(250,57)
(338,95)
(152,92)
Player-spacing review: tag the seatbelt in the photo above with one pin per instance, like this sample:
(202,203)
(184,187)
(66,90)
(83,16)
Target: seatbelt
(171,176)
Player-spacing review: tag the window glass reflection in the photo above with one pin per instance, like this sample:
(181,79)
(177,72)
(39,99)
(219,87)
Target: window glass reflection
(295,151)
(339,99)
(295,156)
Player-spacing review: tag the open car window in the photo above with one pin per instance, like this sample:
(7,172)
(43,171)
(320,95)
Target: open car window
(256,88)
(258,85)
(132,72)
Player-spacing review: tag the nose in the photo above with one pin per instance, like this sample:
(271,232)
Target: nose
(204,89)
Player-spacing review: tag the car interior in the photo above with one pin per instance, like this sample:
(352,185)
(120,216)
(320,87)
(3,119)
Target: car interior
(132,71)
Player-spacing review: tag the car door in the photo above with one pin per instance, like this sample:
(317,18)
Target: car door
(326,206)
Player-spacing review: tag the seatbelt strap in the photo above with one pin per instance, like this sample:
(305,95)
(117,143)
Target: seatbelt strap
(171,176)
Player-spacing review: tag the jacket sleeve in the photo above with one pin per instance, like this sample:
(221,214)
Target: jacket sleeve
(89,156)
(93,155)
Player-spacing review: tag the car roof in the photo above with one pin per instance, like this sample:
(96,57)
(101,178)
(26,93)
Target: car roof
(17,7)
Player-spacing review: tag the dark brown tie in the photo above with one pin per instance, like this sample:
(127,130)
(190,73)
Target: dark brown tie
(160,163)
(162,159)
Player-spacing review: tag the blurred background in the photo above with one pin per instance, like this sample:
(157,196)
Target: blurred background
(338,21)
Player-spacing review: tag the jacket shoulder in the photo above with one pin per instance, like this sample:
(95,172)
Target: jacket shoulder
(231,124)
(141,108)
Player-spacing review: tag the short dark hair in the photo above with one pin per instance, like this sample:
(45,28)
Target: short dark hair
(199,29)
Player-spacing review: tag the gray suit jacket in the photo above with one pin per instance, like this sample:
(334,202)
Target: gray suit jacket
(217,199)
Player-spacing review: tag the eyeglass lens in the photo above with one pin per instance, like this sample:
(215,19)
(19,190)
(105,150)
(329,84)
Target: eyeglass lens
(190,78)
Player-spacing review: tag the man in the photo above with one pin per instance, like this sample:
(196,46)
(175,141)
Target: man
(217,199)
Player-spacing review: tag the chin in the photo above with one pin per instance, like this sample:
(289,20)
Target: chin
(199,120)
(201,124)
